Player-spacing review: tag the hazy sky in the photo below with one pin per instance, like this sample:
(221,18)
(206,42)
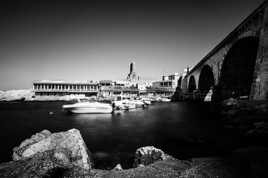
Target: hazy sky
(93,40)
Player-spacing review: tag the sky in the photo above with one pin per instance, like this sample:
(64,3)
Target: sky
(96,40)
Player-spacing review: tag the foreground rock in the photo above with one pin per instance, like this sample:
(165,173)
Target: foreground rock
(159,169)
(47,154)
(50,163)
(148,155)
(64,154)
(249,118)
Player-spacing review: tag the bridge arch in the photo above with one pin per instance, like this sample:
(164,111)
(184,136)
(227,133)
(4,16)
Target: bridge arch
(237,70)
(191,84)
(179,83)
(206,79)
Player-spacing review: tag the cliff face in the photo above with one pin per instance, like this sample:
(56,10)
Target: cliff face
(64,154)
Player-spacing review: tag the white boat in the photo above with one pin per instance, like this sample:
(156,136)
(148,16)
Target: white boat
(84,106)
(165,100)
(146,101)
(124,105)
(118,105)
(138,103)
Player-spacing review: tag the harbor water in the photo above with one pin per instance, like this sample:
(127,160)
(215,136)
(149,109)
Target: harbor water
(183,130)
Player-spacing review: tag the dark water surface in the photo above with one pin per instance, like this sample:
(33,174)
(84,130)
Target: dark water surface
(181,129)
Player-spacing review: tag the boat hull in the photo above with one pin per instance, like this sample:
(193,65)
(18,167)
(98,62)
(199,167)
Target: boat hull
(88,108)
(90,111)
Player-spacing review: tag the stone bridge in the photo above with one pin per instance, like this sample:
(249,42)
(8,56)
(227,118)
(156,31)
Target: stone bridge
(238,65)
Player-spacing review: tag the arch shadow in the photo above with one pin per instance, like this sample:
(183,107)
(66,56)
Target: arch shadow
(179,83)
(237,70)
(192,84)
(206,79)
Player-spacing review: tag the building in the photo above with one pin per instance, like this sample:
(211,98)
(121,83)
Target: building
(60,88)
(170,81)
(132,76)
(114,89)
(132,87)
(122,91)
(167,86)
(106,83)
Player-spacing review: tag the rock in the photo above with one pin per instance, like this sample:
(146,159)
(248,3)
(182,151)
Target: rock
(260,124)
(211,167)
(140,165)
(228,126)
(64,154)
(70,140)
(148,155)
(118,167)
(256,158)
(44,164)
(160,169)
(208,96)
(230,102)
(260,130)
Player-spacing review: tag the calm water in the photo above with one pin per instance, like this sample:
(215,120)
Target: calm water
(181,129)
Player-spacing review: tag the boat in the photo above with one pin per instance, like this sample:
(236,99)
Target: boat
(165,100)
(130,105)
(124,105)
(84,106)
(146,101)
(137,103)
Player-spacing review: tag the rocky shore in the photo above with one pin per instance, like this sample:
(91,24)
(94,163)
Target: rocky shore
(248,118)
(65,154)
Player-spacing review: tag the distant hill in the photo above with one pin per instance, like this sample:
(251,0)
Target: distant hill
(11,95)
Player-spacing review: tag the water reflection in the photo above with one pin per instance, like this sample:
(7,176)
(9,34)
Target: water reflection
(83,117)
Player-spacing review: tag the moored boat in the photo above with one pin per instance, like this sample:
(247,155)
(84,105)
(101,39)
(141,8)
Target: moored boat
(146,101)
(165,100)
(83,106)
(137,103)
(124,105)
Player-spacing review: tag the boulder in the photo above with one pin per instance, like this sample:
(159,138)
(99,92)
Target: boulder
(34,139)
(148,155)
(70,140)
(44,164)
(208,97)
(118,167)
(230,102)
(260,130)
(255,158)
(160,169)
(211,167)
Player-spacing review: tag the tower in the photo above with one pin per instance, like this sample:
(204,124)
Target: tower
(131,67)
(132,74)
